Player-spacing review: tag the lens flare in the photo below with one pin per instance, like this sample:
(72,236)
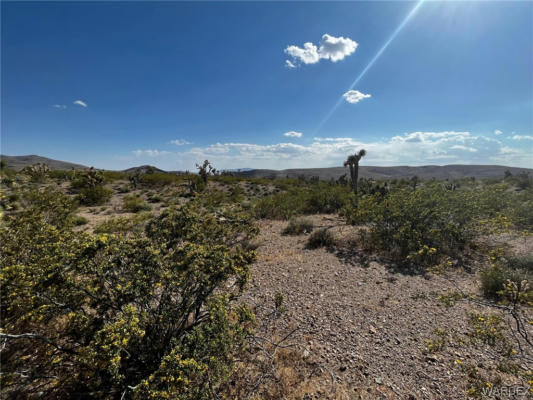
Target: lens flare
(372,61)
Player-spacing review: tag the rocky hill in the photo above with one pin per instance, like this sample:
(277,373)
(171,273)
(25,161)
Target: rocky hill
(19,162)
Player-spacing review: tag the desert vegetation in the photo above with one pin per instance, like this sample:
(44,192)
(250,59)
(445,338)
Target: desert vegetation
(195,286)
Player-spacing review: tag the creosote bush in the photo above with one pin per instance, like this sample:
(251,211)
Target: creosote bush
(298,226)
(425,227)
(311,199)
(94,196)
(145,316)
(320,238)
(508,279)
(134,203)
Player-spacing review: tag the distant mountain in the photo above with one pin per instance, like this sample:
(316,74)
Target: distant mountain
(19,162)
(423,172)
(143,169)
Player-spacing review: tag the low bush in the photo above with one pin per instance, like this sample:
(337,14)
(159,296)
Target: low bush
(159,179)
(424,227)
(320,238)
(94,196)
(297,226)
(124,225)
(79,220)
(311,199)
(154,198)
(134,203)
(509,279)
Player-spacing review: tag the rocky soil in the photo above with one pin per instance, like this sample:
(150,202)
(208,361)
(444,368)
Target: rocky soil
(363,329)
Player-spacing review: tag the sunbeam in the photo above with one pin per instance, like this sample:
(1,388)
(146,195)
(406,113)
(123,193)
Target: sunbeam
(371,63)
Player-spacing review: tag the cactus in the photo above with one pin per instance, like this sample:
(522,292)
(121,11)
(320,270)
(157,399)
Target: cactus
(37,172)
(135,179)
(93,178)
(353,163)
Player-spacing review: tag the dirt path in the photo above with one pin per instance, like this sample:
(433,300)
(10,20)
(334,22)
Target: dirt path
(368,327)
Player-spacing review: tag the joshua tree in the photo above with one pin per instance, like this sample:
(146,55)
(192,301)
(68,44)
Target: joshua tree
(415,180)
(353,163)
(205,170)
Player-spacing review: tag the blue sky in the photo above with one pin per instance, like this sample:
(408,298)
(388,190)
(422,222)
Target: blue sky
(268,85)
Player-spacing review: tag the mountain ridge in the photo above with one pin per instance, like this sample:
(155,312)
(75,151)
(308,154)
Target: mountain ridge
(451,171)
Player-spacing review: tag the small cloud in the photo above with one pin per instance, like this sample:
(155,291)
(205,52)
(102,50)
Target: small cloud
(60,106)
(330,48)
(289,64)
(497,132)
(307,55)
(180,142)
(522,137)
(150,153)
(355,96)
(80,103)
(464,148)
(336,48)
(293,134)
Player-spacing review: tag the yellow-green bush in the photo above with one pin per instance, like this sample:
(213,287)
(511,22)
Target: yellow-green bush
(94,196)
(297,226)
(134,203)
(144,316)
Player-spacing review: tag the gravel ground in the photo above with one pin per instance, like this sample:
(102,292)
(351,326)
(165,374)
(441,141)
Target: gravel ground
(366,326)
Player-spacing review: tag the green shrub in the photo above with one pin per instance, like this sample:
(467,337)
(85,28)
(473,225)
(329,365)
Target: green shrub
(320,238)
(311,199)
(278,206)
(87,179)
(38,173)
(62,175)
(111,176)
(134,203)
(517,271)
(143,316)
(159,179)
(79,220)
(422,227)
(94,196)
(154,198)
(297,226)
(236,194)
(123,225)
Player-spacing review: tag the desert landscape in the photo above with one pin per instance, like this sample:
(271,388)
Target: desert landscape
(338,311)
(266,200)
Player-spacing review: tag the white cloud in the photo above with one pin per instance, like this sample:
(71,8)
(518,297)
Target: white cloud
(432,136)
(355,96)
(497,132)
(289,64)
(80,103)
(335,49)
(180,142)
(464,148)
(522,137)
(414,148)
(151,153)
(60,106)
(293,134)
(330,48)
(307,55)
